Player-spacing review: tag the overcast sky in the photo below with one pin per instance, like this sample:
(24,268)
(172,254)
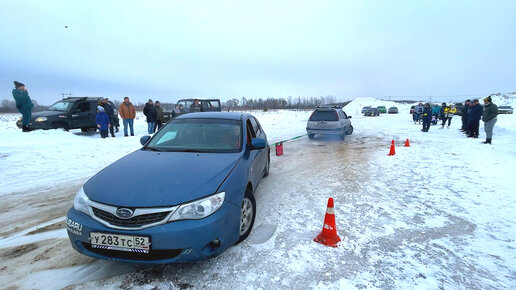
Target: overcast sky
(167,50)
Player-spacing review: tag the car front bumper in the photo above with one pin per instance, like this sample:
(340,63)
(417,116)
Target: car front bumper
(175,242)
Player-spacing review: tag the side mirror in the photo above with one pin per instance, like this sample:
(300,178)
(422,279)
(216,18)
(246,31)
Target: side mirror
(144,139)
(349,117)
(257,143)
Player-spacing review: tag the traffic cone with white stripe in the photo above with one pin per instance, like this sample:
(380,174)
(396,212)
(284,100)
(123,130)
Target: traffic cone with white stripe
(328,235)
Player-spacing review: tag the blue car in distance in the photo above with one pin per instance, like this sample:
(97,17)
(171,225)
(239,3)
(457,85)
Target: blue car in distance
(186,195)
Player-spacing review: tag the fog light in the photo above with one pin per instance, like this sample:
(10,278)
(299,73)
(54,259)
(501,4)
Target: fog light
(215,243)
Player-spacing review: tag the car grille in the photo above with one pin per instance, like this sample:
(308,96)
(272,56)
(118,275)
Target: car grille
(129,255)
(134,222)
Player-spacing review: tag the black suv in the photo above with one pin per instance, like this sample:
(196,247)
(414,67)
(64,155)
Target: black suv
(68,113)
(207,105)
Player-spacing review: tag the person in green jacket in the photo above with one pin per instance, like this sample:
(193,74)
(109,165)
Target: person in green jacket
(23,104)
(489,118)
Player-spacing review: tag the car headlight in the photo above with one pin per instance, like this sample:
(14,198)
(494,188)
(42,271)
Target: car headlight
(200,208)
(41,119)
(81,201)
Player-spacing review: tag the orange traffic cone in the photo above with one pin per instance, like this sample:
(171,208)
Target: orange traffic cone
(328,235)
(392,151)
(407,143)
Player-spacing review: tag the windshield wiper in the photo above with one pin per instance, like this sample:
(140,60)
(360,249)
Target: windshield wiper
(192,150)
(153,149)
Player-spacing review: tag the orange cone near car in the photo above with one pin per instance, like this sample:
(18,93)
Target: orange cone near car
(328,235)
(392,151)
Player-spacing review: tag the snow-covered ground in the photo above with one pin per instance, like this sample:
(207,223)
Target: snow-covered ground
(437,214)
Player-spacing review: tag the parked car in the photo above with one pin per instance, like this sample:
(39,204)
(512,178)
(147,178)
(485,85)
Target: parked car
(329,121)
(207,105)
(505,110)
(186,195)
(372,112)
(435,110)
(69,113)
(459,107)
(382,109)
(393,110)
(364,109)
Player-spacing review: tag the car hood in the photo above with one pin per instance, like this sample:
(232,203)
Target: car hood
(47,113)
(157,179)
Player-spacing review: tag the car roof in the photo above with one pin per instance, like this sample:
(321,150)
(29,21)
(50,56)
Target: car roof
(215,115)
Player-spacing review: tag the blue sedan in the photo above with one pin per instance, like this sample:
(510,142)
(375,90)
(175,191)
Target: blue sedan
(186,195)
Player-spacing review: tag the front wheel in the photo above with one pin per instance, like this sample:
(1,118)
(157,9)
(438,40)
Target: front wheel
(247,215)
(311,136)
(63,126)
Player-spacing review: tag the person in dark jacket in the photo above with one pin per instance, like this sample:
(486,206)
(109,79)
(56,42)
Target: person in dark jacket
(102,121)
(23,104)
(152,115)
(489,118)
(111,114)
(464,117)
(160,118)
(474,116)
(441,111)
(427,117)
(196,106)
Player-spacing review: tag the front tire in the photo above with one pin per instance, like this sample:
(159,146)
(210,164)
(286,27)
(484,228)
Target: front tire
(311,136)
(247,215)
(60,126)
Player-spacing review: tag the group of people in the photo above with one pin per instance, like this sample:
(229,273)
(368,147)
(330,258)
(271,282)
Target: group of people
(105,118)
(472,113)
(429,115)
(154,115)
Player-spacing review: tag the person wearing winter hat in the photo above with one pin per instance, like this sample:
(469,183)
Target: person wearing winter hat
(489,118)
(24,104)
(102,120)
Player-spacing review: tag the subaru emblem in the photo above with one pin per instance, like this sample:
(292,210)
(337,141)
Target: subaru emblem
(124,213)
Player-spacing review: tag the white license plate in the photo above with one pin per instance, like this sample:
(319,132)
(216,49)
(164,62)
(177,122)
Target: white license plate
(120,242)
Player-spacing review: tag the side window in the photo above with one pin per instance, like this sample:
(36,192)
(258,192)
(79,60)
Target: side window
(256,128)
(250,132)
(84,106)
(344,115)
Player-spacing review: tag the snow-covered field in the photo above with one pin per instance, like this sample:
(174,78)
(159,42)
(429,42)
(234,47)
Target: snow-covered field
(438,214)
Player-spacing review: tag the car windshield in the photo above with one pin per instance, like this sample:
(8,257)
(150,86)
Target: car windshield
(320,115)
(198,135)
(61,106)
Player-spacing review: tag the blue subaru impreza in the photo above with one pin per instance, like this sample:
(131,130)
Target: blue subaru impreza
(186,195)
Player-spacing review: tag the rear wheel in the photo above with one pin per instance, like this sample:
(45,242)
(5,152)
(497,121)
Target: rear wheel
(247,215)
(350,130)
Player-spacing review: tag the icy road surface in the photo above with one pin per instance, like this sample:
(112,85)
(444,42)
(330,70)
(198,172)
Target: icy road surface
(437,214)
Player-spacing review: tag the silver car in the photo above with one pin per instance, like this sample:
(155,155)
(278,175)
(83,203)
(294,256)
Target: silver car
(329,121)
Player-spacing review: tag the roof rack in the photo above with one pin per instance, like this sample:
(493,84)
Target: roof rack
(329,107)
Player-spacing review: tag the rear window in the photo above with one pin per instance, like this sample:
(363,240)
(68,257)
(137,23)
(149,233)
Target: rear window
(324,116)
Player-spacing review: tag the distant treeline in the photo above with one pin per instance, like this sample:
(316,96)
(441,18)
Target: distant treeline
(9,106)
